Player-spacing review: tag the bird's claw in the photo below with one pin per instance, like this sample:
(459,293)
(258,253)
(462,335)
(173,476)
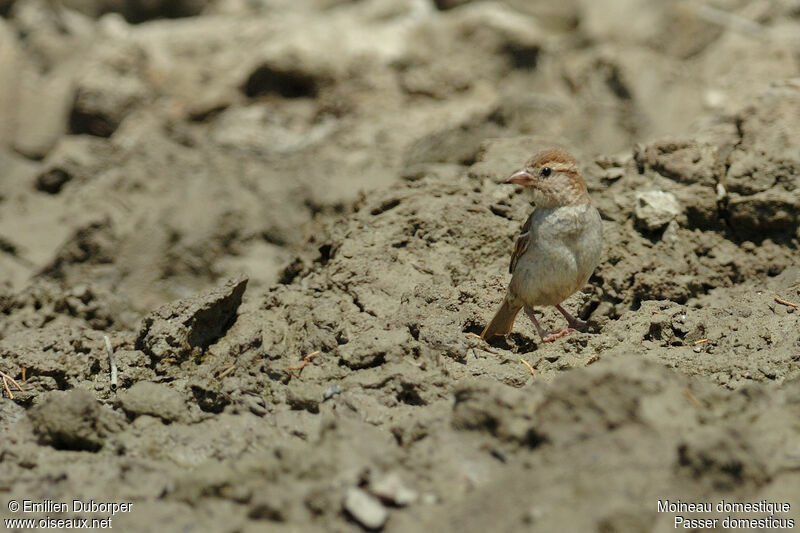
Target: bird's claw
(550,336)
(578,325)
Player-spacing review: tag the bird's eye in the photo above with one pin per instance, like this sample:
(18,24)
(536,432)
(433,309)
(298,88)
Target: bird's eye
(546,171)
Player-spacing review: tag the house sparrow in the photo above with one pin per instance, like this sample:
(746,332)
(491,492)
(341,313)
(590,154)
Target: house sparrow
(559,245)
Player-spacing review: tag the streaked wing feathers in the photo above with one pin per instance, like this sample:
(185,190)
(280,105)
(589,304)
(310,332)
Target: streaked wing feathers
(523,240)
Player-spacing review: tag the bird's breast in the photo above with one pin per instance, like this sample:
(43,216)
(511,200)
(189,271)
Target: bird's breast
(565,247)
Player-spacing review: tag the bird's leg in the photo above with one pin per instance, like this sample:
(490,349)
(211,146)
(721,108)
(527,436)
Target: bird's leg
(573,322)
(547,336)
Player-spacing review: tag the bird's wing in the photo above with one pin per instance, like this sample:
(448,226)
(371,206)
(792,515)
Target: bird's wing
(523,240)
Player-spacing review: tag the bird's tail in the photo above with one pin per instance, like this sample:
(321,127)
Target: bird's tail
(502,322)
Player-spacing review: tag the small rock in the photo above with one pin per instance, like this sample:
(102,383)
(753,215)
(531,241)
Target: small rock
(154,399)
(365,509)
(391,489)
(430,499)
(330,392)
(655,209)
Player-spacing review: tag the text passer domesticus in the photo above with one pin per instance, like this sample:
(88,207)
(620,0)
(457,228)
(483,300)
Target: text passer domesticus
(559,245)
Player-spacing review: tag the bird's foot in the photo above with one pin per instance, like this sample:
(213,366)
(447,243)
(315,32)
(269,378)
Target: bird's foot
(573,323)
(550,336)
(577,325)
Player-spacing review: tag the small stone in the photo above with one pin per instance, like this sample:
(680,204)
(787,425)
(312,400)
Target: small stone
(391,489)
(656,209)
(365,509)
(430,499)
(330,392)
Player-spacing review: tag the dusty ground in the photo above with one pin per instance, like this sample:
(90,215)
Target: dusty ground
(227,190)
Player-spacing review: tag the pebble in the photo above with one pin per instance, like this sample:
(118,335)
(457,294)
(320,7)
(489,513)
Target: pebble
(365,509)
(391,488)
(331,391)
(655,209)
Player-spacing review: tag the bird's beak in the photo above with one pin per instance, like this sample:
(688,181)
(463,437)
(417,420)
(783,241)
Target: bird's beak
(521,177)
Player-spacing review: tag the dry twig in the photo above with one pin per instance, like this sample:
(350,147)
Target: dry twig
(112,366)
(307,359)
(701,341)
(230,369)
(784,302)
(728,20)
(530,368)
(6,379)
(483,348)
(692,398)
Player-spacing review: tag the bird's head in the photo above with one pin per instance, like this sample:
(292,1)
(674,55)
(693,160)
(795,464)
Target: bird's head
(552,177)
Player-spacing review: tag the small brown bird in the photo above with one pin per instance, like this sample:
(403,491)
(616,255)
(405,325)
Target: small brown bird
(558,248)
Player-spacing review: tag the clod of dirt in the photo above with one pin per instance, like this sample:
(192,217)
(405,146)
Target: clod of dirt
(133,367)
(726,459)
(104,97)
(503,412)
(365,509)
(269,503)
(91,244)
(154,399)
(45,302)
(73,420)
(301,396)
(184,328)
(373,347)
(56,357)
(74,158)
(209,395)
